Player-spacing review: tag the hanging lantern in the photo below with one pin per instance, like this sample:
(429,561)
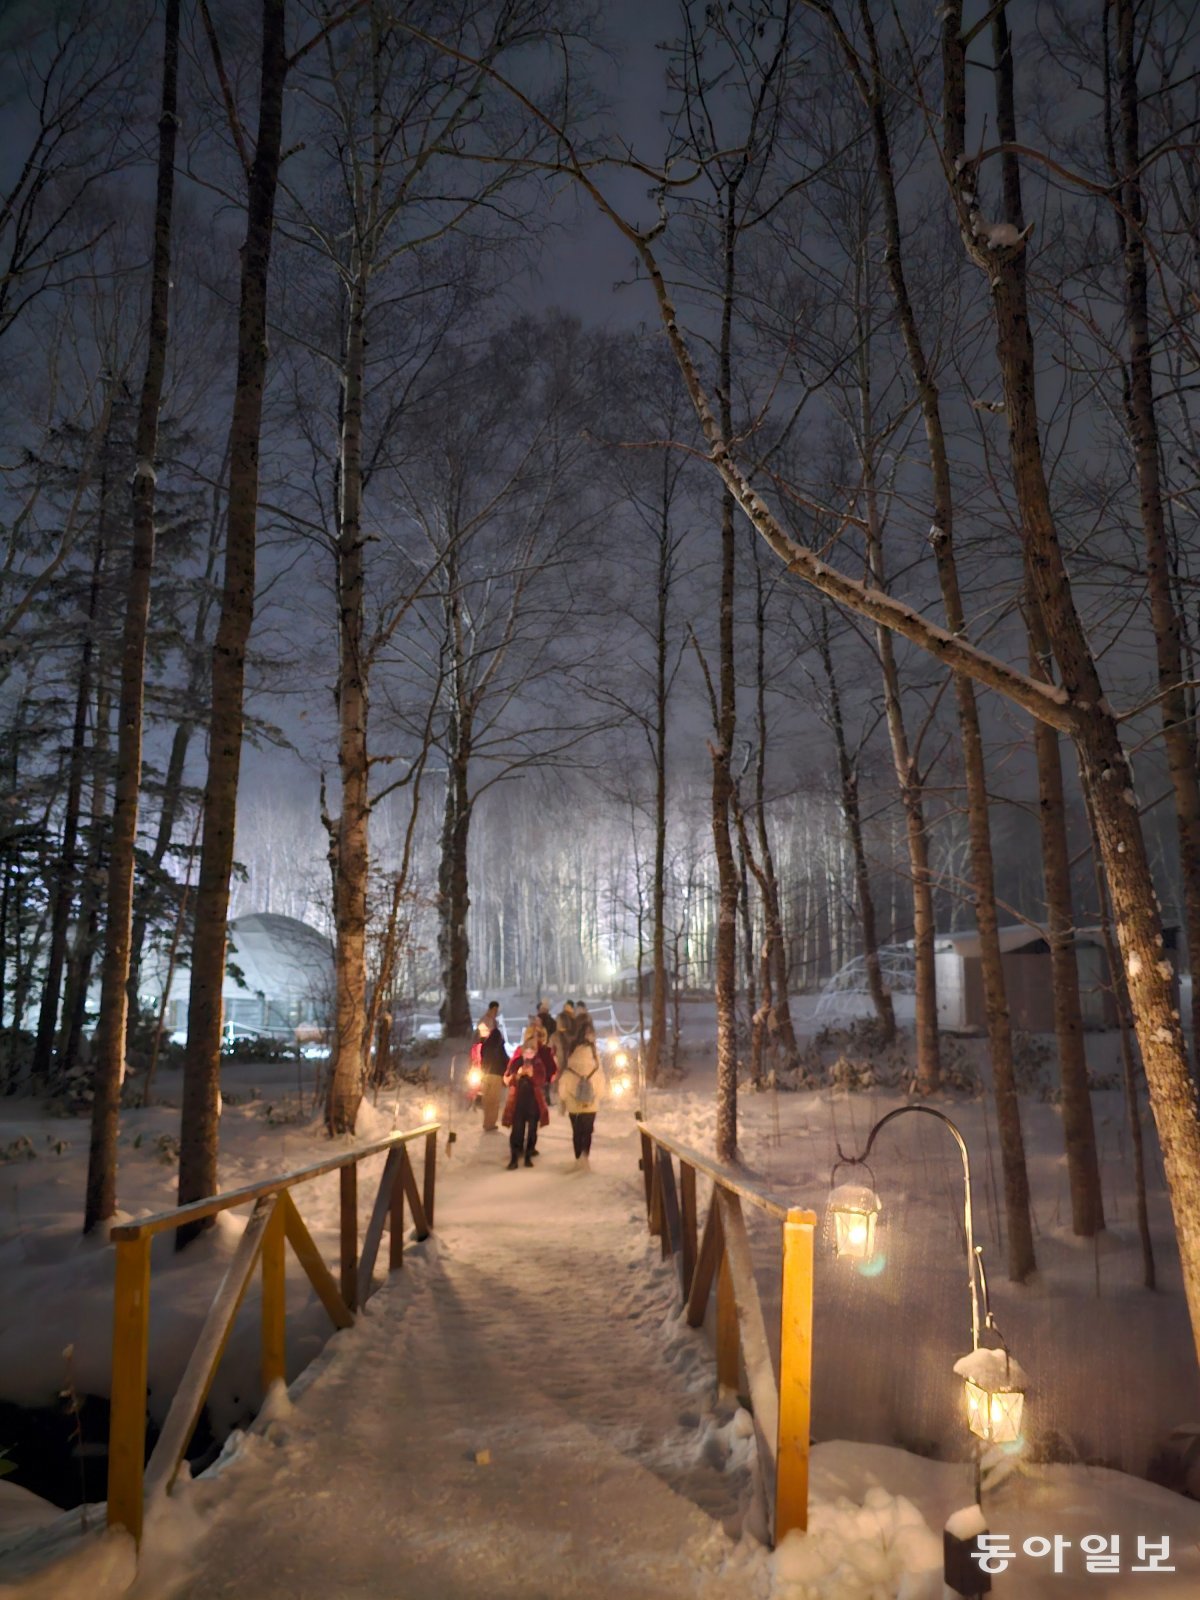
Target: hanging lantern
(429,1112)
(995,1393)
(850,1221)
(475,1077)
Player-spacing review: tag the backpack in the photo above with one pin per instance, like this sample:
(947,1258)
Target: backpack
(585,1095)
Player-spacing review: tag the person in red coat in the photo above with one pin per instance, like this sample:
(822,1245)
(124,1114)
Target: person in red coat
(526,1110)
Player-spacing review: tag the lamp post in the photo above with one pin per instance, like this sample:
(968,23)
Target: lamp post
(845,1218)
(995,1383)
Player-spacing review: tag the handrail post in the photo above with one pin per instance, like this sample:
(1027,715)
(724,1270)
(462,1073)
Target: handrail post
(430,1177)
(648,1174)
(127,1420)
(728,1341)
(348,1190)
(795,1374)
(687,1200)
(274,1301)
(396,1216)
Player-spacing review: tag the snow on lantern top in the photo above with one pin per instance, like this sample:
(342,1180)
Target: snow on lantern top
(850,1219)
(996,1385)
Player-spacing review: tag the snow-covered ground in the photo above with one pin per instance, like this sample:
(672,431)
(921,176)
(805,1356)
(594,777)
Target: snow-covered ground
(522,1410)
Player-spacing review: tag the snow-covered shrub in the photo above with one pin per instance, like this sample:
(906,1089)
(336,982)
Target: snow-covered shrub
(850,1072)
(1032,1065)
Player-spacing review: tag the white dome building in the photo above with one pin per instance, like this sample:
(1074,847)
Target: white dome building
(278,979)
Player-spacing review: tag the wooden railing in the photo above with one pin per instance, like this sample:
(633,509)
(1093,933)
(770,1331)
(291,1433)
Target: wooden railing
(782,1407)
(274,1221)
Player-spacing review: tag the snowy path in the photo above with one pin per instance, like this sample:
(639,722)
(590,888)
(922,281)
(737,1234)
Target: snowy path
(512,1336)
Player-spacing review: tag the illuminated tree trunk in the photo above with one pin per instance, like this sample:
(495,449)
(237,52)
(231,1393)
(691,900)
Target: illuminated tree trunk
(1079,1132)
(1179,728)
(881,997)
(350,879)
(109,1043)
(202,1066)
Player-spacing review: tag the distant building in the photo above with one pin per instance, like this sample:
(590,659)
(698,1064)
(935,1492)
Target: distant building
(624,985)
(278,981)
(1025,957)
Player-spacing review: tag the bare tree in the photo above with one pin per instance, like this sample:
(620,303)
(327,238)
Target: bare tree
(200,1112)
(109,1043)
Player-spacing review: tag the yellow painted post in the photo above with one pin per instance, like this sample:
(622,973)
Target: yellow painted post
(348,1184)
(274,1301)
(127,1420)
(728,1344)
(795,1374)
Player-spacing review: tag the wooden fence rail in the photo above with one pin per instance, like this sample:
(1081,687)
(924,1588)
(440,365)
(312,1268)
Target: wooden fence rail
(782,1407)
(274,1222)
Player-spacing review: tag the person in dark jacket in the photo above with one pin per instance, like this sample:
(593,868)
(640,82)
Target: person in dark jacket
(493,1058)
(546,1022)
(526,1110)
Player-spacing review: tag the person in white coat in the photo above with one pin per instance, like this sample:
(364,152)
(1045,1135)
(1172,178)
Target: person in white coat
(582,1087)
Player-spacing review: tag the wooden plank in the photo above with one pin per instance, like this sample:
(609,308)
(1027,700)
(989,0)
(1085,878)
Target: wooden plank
(756,1352)
(429,1186)
(374,1233)
(127,1419)
(707,1262)
(415,1203)
(348,1234)
(205,1357)
(687,1236)
(161,1221)
(274,1301)
(647,1167)
(729,1180)
(729,1364)
(795,1375)
(396,1216)
(310,1259)
(655,1221)
(669,1201)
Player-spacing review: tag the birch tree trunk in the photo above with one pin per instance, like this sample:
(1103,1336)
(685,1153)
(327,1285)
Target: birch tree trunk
(1021,1257)
(881,997)
(721,750)
(1079,1131)
(67,876)
(778,1015)
(109,1043)
(658,888)
(1104,766)
(350,880)
(202,1065)
(1179,729)
(908,778)
(1087,1208)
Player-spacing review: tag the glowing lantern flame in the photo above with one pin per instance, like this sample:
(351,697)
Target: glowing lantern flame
(851,1216)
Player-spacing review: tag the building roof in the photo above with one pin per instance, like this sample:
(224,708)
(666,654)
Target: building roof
(1024,936)
(280,958)
(277,955)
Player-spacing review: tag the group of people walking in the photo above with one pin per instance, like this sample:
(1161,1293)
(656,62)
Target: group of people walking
(555,1053)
